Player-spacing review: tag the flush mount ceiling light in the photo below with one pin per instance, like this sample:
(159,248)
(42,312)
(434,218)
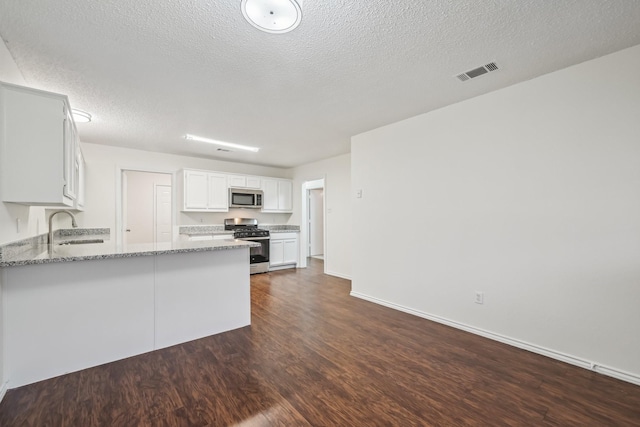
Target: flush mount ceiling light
(80,116)
(221,143)
(272,16)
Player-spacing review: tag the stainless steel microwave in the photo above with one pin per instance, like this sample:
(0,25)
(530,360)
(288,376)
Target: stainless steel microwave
(245,198)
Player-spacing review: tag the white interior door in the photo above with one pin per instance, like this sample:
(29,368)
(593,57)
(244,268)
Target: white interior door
(125,230)
(139,208)
(162,210)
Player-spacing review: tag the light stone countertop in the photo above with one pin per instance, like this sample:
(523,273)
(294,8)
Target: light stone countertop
(45,254)
(195,230)
(281,228)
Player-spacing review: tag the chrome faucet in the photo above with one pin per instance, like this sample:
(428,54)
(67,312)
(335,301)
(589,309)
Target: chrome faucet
(74,224)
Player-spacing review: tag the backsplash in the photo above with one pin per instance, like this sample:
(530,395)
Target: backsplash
(213,218)
(70,232)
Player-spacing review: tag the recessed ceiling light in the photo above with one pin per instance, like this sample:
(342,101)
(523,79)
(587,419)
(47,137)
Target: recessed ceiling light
(221,143)
(272,16)
(80,116)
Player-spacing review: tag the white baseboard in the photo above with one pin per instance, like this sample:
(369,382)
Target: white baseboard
(573,360)
(282,267)
(342,276)
(3,390)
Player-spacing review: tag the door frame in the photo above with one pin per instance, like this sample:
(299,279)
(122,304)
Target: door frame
(309,222)
(304,220)
(120,169)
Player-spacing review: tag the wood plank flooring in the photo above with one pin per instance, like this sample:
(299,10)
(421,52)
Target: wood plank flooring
(314,356)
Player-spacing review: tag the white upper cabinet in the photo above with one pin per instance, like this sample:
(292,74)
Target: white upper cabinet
(254,182)
(285,195)
(237,181)
(218,192)
(277,195)
(208,191)
(196,190)
(80,179)
(205,191)
(70,156)
(270,195)
(244,181)
(38,147)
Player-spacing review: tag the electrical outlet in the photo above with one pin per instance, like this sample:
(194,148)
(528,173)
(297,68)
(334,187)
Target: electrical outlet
(479,297)
(359,194)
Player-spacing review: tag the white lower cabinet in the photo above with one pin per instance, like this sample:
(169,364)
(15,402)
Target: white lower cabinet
(68,316)
(283,251)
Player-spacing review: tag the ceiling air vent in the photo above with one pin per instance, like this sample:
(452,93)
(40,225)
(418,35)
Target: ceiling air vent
(492,66)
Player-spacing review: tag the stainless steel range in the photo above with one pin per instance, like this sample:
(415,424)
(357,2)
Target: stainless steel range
(247,229)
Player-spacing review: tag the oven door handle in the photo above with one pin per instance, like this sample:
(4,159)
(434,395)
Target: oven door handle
(253,238)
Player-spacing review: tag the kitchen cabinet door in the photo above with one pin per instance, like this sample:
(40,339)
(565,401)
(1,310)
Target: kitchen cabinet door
(285,199)
(283,250)
(276,252)
(237,181)
(277,195)
(290,251)
(244,181)
(254,182)
(80,178)
(218,193)
(70,162)
(196,190)
(270,195)
(205,191)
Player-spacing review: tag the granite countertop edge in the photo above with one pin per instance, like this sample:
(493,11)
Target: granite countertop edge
(197,230)
(217,246)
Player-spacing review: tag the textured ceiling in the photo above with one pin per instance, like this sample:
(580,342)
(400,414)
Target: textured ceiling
(151,71)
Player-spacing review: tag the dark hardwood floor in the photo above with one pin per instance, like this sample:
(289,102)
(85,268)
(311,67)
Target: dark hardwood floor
(315,356)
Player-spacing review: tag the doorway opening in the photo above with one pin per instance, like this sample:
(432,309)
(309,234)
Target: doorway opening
(313,222)
(146,214)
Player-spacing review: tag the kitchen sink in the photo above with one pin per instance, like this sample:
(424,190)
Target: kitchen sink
(81,242)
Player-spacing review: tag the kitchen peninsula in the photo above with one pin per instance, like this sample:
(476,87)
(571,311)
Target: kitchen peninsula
(71,307)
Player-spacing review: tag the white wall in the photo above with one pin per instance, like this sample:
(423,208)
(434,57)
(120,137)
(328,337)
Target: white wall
(9,212)
(530,194)
(101,178)
(32,220)
(337,174)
